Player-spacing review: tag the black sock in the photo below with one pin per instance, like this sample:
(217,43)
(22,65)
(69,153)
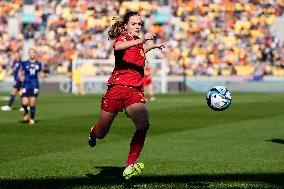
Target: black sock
(25,108)
(33,110)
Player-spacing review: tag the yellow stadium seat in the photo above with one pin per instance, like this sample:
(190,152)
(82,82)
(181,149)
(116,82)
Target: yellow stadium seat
(278,72)
(281,72)
(244,70)
(2,74)
(215,72)
(189,72)
(226,72)
(62,69)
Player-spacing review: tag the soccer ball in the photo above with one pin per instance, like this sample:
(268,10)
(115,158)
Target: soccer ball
(219,98)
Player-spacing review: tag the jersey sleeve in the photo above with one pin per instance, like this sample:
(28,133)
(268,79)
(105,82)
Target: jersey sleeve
(119,39)
(21,67)
(40,66)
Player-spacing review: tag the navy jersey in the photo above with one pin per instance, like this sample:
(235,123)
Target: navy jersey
(31,70)
(16,65)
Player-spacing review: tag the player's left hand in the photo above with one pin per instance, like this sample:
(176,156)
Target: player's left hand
(161,45)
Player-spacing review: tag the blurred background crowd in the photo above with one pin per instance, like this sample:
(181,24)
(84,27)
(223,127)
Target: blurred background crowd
(205,37)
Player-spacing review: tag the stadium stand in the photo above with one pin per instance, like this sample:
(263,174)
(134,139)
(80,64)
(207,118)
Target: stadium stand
(9,42)
(206,37)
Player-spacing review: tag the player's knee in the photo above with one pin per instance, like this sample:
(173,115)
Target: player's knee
(144,125)
(147,126)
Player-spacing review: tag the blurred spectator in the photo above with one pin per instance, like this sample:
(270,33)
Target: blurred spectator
(226,34)
(8,44)
(206,37)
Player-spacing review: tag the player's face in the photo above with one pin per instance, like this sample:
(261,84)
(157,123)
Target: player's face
(16,56)
(134,25)
(13,57)
(32,54)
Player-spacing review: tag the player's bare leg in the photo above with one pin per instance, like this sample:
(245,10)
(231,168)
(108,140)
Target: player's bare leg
(100,129)
(32,110)
(25,103)
(20,95)
(20,92)
(8,107)
(140,116)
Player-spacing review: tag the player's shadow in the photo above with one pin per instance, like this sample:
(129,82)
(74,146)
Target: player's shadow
(22,121)
(111,173)
(17,108)
(276,140)
(25,122)
(109,177)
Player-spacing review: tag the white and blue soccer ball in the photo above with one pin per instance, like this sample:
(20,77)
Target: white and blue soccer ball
(219,98)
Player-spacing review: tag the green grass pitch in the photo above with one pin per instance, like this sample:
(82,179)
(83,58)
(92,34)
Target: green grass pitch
(188,145)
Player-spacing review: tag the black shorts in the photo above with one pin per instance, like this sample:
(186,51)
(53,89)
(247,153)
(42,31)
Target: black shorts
(18,85)
(30,92)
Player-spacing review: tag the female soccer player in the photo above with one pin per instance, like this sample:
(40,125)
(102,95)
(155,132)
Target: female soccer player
(125,87)
(148,82)
(29,74)
(15,67)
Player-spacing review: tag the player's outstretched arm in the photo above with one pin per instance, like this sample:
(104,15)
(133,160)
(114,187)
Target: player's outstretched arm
(43,74)
(121,45)
(154,46)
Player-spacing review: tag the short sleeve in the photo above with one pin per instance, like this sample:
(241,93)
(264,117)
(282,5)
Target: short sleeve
(119,39)
(21,67)
(40,66)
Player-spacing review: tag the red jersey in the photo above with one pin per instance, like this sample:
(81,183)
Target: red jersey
(129,64)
